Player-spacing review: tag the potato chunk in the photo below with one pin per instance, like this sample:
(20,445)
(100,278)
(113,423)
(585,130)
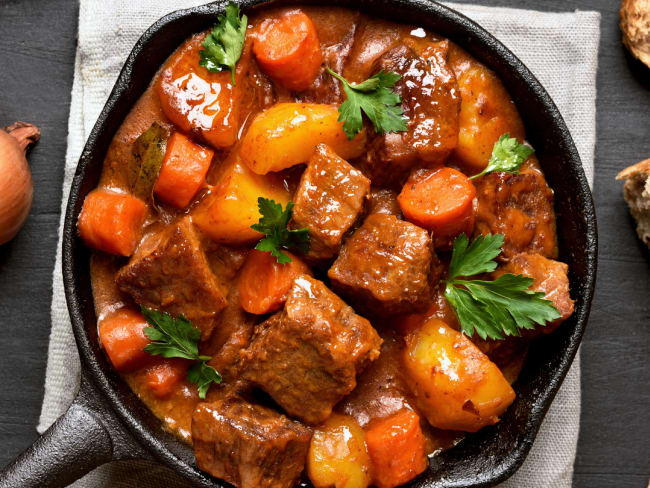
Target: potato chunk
(288,133)
(227,213)
(338,456)
(456,386)
(486,112)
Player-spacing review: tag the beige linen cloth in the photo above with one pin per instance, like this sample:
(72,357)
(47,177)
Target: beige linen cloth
(561,50)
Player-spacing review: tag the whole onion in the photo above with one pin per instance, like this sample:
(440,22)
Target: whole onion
(16,187)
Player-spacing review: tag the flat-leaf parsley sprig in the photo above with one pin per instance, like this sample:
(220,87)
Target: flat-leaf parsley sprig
(273,224)
(376,99)
(507,155)
(496,308)
(178,338)
(223,46)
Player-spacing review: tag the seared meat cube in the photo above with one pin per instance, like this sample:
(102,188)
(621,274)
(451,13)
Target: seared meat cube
(329,199)
(307,356)
(550,277)
(170,272)
(383,268)
(248,445)
(431,103)
(519,206)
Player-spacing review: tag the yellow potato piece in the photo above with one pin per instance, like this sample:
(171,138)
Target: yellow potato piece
(486,113)
(456,386)
(288,133)
(227,213)
(338,456)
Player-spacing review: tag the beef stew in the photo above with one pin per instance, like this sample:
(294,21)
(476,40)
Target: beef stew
(181,255)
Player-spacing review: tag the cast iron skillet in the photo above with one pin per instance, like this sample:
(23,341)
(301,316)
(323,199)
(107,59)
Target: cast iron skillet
(107,421)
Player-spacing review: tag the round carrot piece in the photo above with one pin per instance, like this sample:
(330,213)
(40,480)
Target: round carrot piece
(441,201)
(264,283)
(288,50)
(165,375)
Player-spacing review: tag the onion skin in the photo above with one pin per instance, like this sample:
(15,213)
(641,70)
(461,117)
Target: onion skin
(16,186)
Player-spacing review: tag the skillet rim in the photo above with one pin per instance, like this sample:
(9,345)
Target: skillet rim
(497,52)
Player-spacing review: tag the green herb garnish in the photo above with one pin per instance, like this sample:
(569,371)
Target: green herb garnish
(376,99)
(496,308)
(178,338)
(273,224)
(223,46)
(507,155)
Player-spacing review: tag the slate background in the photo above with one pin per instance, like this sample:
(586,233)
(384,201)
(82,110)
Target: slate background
(37,45)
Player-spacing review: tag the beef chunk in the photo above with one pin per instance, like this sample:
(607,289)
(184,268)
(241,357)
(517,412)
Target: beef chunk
(170,272)
(431,102)
(550,277)
(335,28)
(307,356)
(248,445)
(384,201)
(232,333)
(329,199)
(383,268)
(519,206)
(382,391)
(225,261)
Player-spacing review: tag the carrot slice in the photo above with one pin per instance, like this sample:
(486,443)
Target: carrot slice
(183,171)
(396,447)
(441,201)
(288,50)
(264,283)
(123,338)
(112,222)
(163,377)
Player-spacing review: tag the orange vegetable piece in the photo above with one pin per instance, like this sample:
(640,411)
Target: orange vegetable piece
(455,385)
(183,171)
(163,377)
(122,337)
(112,222)
(287,134)
(396,447)
(199,101)
(338,457)
(288,50)
(486,113)
(441,201)
(227,213)
(264,283)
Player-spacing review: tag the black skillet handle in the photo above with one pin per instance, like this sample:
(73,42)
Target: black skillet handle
(85,437)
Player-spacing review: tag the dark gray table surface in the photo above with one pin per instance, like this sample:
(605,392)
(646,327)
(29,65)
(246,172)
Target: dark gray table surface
(37,46)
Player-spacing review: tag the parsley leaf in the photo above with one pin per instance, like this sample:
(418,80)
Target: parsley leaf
(496,308)
(178,338)
(507,155)
(376,100)
(467,260)
(223,46)
(273,224)
(203,376)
